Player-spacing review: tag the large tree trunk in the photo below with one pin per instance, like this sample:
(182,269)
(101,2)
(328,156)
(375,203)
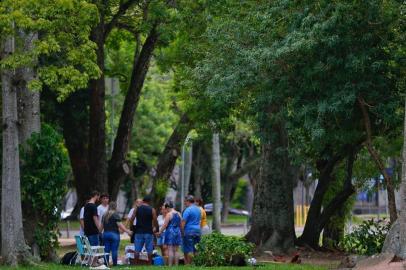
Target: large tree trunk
(316,221)
(29,122)
(395,241)
(75,133)
(333,232)
(167,160)
(14,249)
(393,215)
(97,116)
(118,161)
(216,182)
(272,216)
(311,232)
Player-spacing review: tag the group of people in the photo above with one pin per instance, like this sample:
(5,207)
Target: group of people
(166,228)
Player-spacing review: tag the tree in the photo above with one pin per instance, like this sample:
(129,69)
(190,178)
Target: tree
(396,237)
(20,21)
(14,249)
(216,182)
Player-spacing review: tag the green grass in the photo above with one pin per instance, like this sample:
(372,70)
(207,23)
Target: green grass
(73,225)
(232,219)
(265,267)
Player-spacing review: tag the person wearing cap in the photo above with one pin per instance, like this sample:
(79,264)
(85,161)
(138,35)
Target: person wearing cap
(145,227)
(190,228)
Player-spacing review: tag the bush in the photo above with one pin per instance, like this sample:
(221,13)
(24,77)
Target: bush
(44,168)
(367,238)
(218,250)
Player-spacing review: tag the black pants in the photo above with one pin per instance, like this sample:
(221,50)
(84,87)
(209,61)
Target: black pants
(133,235)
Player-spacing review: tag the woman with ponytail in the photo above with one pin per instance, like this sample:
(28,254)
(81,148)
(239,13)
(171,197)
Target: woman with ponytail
(112,226)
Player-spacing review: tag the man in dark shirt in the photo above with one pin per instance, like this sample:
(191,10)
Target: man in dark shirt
(91,219)
(145,227)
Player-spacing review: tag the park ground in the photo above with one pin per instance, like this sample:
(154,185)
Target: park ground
(265,267)
(236,225)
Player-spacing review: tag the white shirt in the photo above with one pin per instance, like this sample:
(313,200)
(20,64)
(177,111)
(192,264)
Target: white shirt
(81,216)
(101,210)
(130,214)
(161,221)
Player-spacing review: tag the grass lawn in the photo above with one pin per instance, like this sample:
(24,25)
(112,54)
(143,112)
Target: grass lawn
(232,219)
(265,267)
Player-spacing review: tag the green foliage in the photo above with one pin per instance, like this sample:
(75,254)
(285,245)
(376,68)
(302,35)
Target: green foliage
(367,238)
(217,250)
(44,168)
(240,195)
(63,29)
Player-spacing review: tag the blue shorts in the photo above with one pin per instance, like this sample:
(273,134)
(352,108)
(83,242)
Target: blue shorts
(144,239)
(190,242)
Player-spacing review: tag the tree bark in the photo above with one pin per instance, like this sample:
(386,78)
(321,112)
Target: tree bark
(14,250)
(28,101)
(311,232)
(233,162)
(317,221)
(188,167)
(379,162)
(167,160)
(216,182)
(75,132)
(117,172)
(29,119)
(197,170)
(97,116)
(272,216)
(395,241)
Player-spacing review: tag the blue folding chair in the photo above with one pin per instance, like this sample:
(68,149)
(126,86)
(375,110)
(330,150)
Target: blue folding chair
(83,256)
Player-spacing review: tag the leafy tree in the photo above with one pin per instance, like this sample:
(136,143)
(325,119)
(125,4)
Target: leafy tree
(59,31)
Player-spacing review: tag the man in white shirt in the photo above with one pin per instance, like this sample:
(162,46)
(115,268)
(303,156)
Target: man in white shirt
(102,209)
(104,206)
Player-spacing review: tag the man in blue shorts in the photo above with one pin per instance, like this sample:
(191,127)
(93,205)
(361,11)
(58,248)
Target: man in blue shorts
(190,228)
(145,227)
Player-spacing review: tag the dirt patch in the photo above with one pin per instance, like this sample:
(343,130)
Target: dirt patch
(327,259)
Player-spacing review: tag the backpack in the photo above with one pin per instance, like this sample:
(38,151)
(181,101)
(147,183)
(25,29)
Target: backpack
(69,258)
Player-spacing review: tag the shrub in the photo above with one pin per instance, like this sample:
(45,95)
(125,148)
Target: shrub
(44,168)
(367,238)
(218,250)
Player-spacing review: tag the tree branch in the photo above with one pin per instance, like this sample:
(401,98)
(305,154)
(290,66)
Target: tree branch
(244,169)
(343,195)
(121,11)
(378,161)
